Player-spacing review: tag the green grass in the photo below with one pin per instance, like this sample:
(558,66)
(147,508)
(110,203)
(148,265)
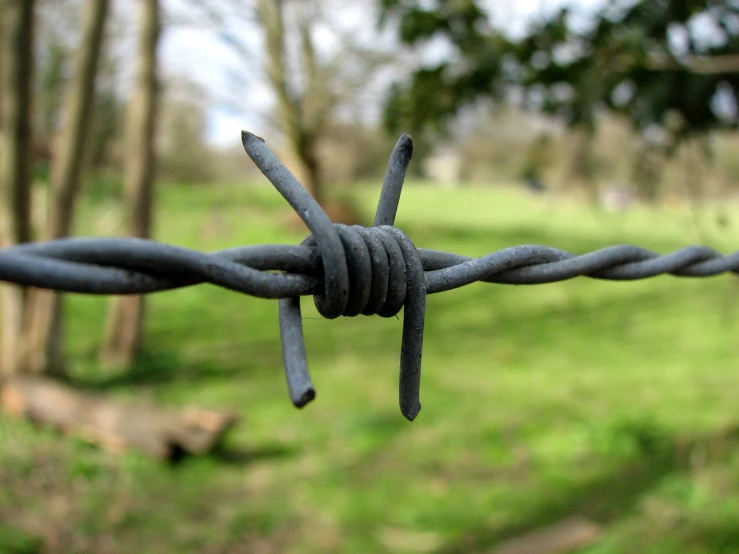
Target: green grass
(615,401)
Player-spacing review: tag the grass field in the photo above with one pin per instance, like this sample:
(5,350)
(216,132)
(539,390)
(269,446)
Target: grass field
(613,401)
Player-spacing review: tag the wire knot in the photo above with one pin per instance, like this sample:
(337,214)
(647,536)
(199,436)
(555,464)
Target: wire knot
(378,275)
(366,270)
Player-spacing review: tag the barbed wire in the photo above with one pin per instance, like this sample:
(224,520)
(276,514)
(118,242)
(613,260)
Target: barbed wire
(349,270)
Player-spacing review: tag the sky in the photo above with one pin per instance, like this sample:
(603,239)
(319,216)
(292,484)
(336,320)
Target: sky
(242,99)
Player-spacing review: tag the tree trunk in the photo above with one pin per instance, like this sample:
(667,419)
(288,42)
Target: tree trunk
(3,49)
(15,167)
(125,319)
(313,110)
(45,352)
(306,149)
(302,113)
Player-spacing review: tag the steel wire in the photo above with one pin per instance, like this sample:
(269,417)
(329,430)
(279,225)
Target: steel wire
(349,270)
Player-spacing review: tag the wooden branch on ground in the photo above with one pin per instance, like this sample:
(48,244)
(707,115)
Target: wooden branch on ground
(117,426)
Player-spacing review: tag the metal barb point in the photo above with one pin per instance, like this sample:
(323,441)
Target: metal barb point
(392,185)
(367,271)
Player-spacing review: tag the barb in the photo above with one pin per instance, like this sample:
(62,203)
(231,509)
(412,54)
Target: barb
(365,271)
(348,270)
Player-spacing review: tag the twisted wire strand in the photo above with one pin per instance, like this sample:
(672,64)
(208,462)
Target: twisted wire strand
(125,266)
(348,270)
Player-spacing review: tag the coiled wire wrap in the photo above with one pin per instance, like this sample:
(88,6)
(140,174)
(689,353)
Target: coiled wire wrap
(348,270)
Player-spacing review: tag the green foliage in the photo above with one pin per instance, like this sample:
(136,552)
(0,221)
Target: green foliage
(102,185)
(13,541)
(106,132)
(586,397)
(184,155)
(54,65)
(435,93)
(625,60)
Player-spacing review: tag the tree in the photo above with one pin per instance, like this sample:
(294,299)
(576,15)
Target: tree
(15,166)
(2,59)
(651,61)
(302,112)
(106,147)
(314,84)
(56,21)
(45,354)
(125,319)
(107,117)
(427,101)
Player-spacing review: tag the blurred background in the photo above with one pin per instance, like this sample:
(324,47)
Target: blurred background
(584,416)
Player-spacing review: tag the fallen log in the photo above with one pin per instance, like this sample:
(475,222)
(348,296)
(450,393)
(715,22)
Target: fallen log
(163,433)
